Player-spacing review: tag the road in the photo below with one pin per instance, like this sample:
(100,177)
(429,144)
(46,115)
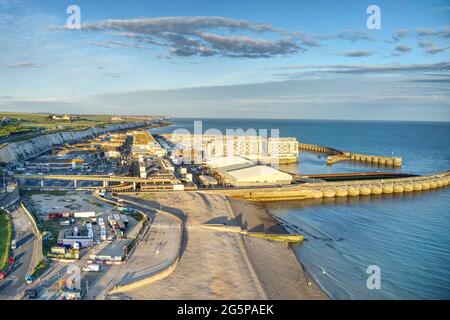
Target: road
(157,248)
(155,251)
(14,285)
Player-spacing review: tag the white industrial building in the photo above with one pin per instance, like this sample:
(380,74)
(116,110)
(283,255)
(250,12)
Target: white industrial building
(223,162)
(257,176)
(241,172)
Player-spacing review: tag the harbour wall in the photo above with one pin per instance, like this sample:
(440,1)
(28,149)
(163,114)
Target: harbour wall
(316,190)
(335,156)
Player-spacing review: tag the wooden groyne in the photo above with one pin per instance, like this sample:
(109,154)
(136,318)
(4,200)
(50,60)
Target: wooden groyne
(335,156)
(317,190)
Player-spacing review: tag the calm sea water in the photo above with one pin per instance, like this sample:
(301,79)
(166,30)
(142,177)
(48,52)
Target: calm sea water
(407,236)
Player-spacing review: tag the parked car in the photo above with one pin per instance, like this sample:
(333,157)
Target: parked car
(28,279)
(13,244)
(31,293)
(94,267)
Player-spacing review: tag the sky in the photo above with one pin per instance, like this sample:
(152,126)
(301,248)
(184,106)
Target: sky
(232,59)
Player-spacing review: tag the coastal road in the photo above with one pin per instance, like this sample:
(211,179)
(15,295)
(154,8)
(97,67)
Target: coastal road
(14,285)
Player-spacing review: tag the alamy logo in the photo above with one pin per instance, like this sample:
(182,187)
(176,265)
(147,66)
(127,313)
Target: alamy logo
(74,20)
(374,20)
(374,280)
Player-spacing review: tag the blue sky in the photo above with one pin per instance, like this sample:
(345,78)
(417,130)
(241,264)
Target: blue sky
(246,59)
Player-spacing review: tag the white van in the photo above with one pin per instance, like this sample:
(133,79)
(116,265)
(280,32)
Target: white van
(13,244)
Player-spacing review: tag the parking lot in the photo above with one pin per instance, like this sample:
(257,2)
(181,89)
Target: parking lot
(44,204)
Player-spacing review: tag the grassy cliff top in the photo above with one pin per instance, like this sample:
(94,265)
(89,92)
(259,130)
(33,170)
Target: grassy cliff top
(18,126)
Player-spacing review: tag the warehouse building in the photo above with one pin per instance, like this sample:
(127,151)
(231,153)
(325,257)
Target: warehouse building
(256,176)
(73,236)
(240,172)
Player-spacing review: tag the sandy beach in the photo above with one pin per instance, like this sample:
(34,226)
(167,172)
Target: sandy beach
(224,265)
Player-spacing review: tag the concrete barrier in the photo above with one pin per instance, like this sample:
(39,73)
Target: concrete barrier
(352,191)
(365,191)
(417,186)
(329,193)
(148,280)
(377,190)
(330,189)
(317,194)
(388,189)
(341,192)
(425,185)
(408,187)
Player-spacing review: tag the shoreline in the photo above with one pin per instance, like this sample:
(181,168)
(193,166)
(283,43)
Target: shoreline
(258,210)
(227,265)
(306,271)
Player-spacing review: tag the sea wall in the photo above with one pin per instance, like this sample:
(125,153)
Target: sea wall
(21,150)
(318,190)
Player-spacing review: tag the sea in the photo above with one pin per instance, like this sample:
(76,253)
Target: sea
(366,247)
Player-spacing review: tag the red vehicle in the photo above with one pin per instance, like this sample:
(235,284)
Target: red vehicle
(11,260)
(53,216)
(2,275)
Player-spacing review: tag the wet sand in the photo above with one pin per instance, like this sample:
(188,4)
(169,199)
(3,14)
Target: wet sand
(279,271)
(224,265)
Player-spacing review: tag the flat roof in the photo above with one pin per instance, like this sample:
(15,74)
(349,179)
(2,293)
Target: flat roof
(207,179)
(221,162)
(260,170)
(114,249)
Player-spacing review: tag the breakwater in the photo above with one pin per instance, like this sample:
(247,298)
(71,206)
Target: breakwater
(335,156)
(316,190)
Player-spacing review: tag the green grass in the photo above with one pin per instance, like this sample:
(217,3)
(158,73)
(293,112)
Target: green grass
(29,122)
(40,268)
(5,238)
(147,196)
(93,203)
(52,193)
(14,128)
(52,226)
